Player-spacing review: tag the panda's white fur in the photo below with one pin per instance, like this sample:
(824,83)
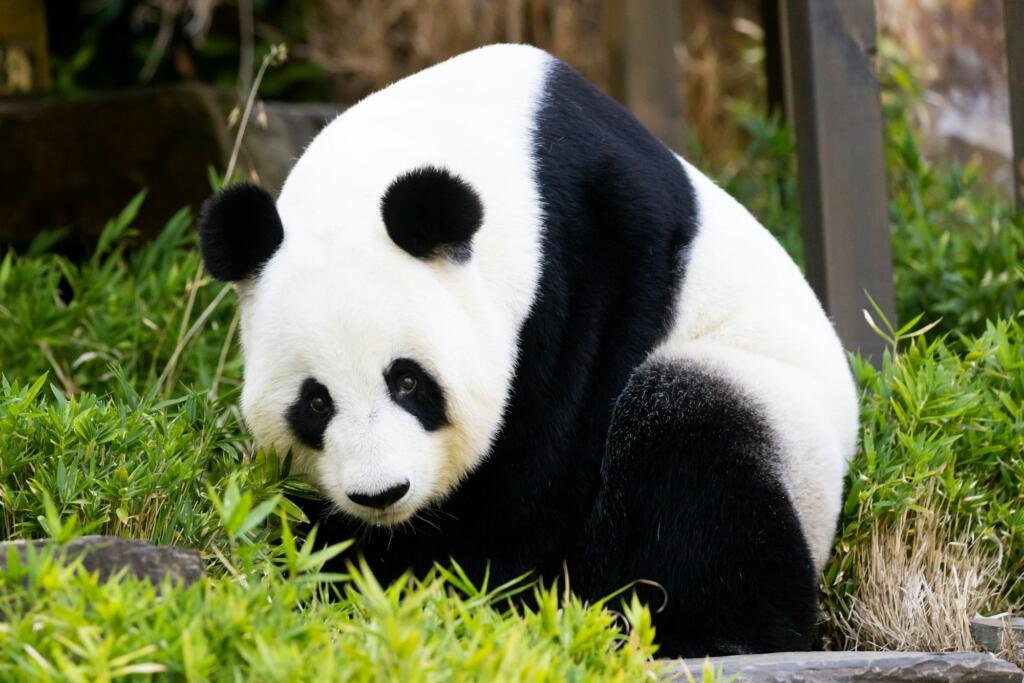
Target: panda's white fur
(340,299)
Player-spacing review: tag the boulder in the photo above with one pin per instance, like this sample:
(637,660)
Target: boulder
(841,667)
(999,633)
(110,554)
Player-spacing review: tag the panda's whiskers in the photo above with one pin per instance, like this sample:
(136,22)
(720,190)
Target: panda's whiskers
(421,517)
(431,517)
(364,529)
(438,513)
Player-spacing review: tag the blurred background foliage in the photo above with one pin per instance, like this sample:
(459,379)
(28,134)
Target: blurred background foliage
(341,50)
(100,45)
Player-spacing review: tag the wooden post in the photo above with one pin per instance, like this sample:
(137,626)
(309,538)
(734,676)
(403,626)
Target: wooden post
(24,64)
(833,95)
(774,78)
(642,40)
(1013,22)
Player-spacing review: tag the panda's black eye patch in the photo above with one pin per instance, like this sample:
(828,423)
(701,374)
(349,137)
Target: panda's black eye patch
(416,391)
(311,412)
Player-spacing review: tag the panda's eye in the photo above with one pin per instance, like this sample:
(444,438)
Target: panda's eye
(406,385)
(310,414)
(417,392)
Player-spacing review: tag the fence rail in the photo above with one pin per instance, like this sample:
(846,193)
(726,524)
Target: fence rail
(833,101)
(1013,20)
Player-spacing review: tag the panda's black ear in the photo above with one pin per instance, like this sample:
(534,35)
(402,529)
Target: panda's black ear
(430,211)
(239,230)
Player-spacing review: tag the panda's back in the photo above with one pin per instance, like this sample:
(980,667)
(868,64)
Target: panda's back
(639,256)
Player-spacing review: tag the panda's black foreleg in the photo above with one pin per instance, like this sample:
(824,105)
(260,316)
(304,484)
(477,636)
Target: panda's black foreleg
(690,500)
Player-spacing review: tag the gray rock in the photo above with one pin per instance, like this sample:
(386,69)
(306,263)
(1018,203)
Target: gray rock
(110,554)
(77,163)
(810,667)
(271,151)
(989,633)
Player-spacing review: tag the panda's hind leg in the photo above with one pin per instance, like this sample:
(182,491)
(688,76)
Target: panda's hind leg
(690,500)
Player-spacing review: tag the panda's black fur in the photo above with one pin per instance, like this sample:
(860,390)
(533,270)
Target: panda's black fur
(605,468)
(239,230)
(428,209)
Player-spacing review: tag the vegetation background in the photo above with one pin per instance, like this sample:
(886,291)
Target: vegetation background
(120,381)
(342,50)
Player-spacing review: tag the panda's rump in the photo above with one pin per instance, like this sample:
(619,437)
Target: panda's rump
(811,460)
(690,501)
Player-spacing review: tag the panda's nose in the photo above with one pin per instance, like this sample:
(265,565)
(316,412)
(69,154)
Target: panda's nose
(381,499)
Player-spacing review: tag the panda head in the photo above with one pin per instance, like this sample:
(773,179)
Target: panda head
(371,349)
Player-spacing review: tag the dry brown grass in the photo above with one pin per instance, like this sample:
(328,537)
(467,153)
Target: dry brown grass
(365,46)
(1011,651)
(922,582)
(961,41)
(958,49)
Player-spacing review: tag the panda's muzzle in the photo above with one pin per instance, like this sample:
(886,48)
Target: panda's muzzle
(380,500)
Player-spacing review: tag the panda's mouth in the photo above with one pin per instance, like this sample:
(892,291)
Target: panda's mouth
(387,517)
(390,517)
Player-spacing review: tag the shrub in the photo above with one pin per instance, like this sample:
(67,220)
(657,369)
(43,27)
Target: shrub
(130,466)
(274,624)
(943,434)
(136,312)
(958,248)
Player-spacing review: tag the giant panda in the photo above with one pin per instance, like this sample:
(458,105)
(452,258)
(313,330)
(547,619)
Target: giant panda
(498,322)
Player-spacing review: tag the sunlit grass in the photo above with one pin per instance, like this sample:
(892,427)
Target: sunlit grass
(99,437)
(274,622)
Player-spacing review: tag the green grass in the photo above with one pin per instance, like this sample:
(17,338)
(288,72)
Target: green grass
(118,414)
(271,624)
(109,425)
(943,435)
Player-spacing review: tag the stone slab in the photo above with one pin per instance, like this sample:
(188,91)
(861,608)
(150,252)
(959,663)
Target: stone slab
(110,554)
(843,667)
(996,633)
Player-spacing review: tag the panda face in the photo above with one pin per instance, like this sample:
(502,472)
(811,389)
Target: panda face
(387,398)
(386,371)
